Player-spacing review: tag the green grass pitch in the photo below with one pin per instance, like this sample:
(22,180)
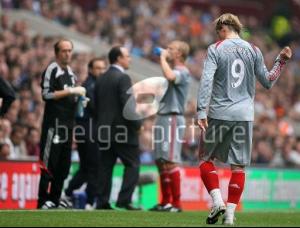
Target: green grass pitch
(139,219)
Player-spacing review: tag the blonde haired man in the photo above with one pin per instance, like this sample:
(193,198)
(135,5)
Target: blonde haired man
(170,125)
(227,87)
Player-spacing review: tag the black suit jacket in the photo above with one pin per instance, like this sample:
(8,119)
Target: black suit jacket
(110,99)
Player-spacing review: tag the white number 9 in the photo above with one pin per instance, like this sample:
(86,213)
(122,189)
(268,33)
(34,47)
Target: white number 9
(238,71)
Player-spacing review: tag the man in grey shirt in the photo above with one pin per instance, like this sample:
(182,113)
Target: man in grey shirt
(227,88)
(170,125)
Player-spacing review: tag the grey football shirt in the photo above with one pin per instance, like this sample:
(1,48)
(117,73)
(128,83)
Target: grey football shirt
(176,95)
(227,86)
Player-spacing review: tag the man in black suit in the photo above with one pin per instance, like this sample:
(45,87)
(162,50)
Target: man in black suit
(116,131)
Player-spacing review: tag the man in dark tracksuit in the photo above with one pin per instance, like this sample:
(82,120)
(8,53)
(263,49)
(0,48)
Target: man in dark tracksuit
(60,94)
(8,96)
(117,135)
(88,149)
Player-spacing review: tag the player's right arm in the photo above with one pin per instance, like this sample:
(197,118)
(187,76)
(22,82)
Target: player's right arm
(48,90)
(266,78)
(206,85)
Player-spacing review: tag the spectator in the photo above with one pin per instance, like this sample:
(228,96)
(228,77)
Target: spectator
(4,151)
(149,24)
(6,130)
(264,153)
(294,156)
(7,96)
(33,142)
(18,140)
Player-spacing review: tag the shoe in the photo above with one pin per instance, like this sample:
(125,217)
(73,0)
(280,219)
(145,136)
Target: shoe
(89,207)
(128,207)
(49,205)
(65,204)
(161,208)
(215,213)
(175,210)
(104,207)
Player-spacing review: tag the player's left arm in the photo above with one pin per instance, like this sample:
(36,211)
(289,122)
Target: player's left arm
(266,78)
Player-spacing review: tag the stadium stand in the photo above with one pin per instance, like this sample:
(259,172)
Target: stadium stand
(142,25)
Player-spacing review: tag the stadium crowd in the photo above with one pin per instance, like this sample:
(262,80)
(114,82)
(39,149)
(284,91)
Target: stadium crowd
(140,26)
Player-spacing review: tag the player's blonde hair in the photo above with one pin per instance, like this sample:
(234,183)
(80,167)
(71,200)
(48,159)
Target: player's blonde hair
(183,48)
(231,20)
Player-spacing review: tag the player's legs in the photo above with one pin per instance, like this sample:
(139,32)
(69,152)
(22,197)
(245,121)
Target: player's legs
(210,180)
(175,181)
(235,191)
(165,183)
(170,185)
(215,145)
(161,152)
(239,157)
(168,145)
(173,170)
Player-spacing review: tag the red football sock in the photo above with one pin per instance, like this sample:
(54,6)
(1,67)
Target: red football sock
(175,187)
(165,184)
(209,176)
(236,186)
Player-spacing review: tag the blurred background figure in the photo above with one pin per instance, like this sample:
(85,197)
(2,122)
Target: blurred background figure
(4,152)
(142,25)
(7,96)
(89,153)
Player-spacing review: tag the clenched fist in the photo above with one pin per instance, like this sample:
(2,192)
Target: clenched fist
(286,53)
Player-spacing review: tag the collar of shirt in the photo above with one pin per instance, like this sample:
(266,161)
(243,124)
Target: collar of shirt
(120,68)
(60,71)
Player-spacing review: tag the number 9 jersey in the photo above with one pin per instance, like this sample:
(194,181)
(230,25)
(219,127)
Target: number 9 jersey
(227,86)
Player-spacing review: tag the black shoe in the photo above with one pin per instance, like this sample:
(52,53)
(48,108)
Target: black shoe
(128,207)
(104,207)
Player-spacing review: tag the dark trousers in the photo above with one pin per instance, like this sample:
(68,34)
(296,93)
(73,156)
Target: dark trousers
(56,148)
(89,155)
(129,156)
